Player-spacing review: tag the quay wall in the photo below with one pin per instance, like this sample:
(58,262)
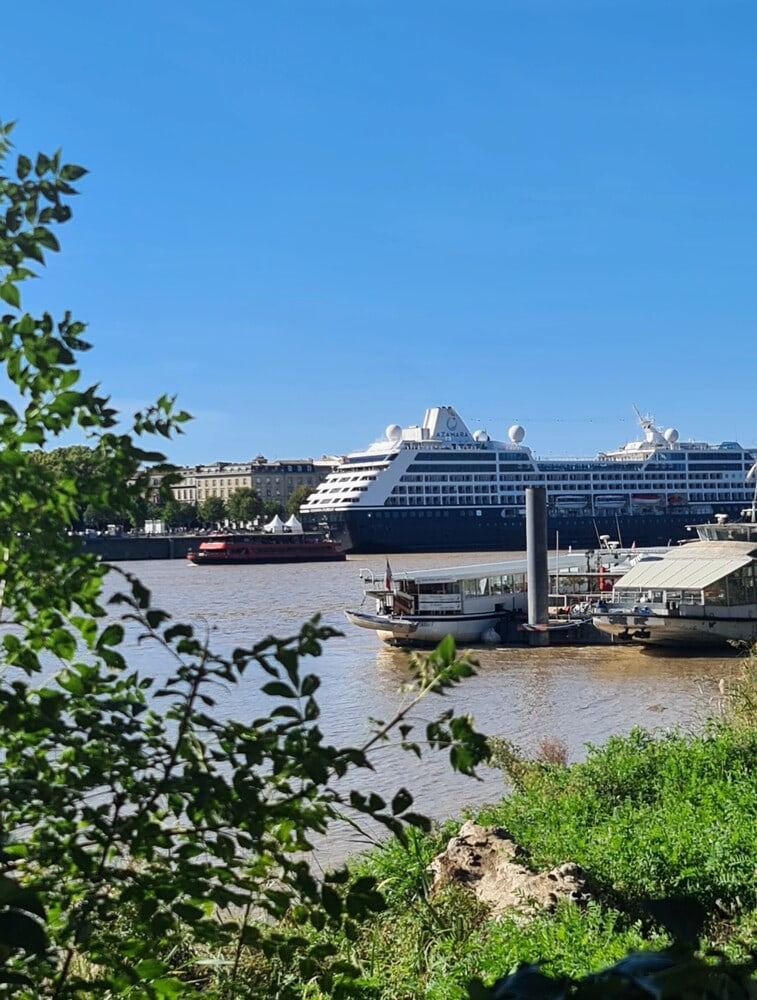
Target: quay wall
(127,548)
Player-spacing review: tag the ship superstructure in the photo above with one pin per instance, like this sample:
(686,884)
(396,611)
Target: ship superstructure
(441,487)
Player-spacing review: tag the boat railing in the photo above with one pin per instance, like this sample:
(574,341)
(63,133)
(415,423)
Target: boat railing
(373,585)
(574,605)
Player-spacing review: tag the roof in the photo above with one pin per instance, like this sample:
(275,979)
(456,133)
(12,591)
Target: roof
(569,563)
(690,567)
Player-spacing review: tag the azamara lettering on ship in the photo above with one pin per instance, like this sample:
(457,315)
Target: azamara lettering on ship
(438,487)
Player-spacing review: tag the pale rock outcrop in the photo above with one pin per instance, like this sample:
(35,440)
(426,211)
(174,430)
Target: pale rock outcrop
(483,860)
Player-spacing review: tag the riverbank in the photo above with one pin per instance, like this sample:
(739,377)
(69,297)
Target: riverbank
(661,830)
(131,548)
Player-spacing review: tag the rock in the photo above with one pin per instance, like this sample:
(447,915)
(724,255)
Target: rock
(484,861)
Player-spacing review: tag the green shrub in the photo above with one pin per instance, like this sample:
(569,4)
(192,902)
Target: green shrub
(648,817)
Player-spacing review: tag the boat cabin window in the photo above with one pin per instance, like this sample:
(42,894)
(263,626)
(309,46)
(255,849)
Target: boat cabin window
(715,593)
(691,597)
(445,587)
(741,586)
(630,595)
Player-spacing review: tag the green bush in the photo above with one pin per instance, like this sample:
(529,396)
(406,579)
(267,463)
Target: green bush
(149,847)
(648,817)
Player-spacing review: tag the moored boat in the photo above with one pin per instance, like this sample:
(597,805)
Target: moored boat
(439,487)
(703,593)
(482,603)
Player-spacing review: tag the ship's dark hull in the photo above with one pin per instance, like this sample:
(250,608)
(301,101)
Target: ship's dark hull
(468,530)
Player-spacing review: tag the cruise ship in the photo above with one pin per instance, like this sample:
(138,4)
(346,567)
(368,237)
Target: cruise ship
(439,487)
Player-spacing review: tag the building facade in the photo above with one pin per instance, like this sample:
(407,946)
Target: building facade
(274,482)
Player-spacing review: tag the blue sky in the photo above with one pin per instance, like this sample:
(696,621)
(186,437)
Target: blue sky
(312,219)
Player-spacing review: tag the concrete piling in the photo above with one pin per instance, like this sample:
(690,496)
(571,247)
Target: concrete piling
(538,569)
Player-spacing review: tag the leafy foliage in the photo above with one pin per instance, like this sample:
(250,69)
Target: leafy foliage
(649,817)
(640,976)
(211,511)
(152,847)
(244,505)
(297,498)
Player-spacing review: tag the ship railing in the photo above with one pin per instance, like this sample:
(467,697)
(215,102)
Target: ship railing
(373,585)
(574,605)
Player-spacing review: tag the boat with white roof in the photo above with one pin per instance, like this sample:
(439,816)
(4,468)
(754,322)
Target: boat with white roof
(438,487)
(483,603)
(703,593)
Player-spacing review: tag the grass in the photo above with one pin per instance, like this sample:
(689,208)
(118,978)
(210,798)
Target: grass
(665,827)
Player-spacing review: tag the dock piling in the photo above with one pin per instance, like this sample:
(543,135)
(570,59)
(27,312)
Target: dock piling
(536,555)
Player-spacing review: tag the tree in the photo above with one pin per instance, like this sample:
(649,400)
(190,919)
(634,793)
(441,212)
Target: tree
(138,825)
(211,511)
(243,505)
(271,509)
(297,498)
(178,515)
(81,463)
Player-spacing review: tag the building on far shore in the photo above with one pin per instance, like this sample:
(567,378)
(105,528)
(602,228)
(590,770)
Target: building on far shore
(221,479)
(273,481)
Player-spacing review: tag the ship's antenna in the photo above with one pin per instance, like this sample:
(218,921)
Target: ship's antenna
(645,422)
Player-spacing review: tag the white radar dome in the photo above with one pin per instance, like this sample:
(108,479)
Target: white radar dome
(393,432)
(671,435)
(480,436)
(516,434)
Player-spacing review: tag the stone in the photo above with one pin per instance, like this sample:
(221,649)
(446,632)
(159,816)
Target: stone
(485,862)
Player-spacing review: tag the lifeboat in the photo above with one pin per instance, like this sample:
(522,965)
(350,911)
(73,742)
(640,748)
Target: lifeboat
(647,499)
(611,500)
(567,501)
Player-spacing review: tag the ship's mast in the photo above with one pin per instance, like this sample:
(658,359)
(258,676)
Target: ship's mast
(644,422)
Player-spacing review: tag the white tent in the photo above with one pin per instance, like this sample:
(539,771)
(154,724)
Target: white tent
(293,525)
(274,526)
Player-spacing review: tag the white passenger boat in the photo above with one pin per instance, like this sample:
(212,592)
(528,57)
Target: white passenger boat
(703,593)
(480,603)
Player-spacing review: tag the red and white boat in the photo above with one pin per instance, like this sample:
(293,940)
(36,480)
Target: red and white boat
(277,542)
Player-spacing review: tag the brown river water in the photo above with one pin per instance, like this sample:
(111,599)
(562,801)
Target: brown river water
(577,695)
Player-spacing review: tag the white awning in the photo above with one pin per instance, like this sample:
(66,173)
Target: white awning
(692,567)
(275,525)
